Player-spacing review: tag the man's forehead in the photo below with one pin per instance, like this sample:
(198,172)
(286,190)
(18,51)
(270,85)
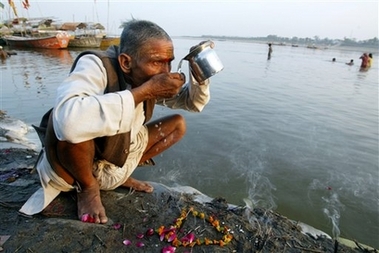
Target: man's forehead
(158,48)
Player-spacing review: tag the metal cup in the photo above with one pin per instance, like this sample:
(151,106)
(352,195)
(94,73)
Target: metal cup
(203,61)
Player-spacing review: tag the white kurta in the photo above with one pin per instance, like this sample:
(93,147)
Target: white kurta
(83,112)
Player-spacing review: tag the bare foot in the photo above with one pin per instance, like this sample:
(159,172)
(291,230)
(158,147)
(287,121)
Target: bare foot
(90,208)
(138,185)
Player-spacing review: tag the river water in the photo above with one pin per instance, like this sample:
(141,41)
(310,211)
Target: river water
(297,133)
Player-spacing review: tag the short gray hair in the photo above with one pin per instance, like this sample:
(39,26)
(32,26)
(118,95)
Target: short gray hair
(137,32)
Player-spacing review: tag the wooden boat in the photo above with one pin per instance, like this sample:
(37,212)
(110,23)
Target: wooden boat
(56,41)
(85,41)
(109,41)
(84,34)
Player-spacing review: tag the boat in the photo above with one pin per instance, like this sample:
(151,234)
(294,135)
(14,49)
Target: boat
(85,35)
(4,30)
(85,41)
(53,41)
(109,41)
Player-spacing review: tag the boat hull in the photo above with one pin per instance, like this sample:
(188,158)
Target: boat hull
(92,42)
(57,41)
(110,41)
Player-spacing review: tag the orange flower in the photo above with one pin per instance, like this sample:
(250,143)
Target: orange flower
(160,230)
(207,241)
(211,219)
(176,242)
(222,243)
(169,234)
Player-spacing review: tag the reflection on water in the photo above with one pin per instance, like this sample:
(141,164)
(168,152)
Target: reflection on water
(32,77)
(61,56)
(279,133)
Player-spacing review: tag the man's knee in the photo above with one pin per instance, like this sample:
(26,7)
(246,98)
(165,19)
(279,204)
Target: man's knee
(180,123)
(70,153)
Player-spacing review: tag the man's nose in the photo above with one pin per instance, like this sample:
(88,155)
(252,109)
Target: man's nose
(166,68)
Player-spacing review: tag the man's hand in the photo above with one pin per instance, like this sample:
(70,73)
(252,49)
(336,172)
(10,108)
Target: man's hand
(164,85)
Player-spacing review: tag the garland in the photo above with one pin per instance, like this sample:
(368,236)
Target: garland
(170,235)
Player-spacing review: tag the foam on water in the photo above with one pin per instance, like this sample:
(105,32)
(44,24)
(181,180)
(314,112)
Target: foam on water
(15,133)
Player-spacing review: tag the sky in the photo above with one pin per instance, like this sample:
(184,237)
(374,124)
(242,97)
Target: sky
(325,19)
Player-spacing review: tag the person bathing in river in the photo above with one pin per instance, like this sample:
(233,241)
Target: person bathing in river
(3,54)
(98,133)
(369,63)
(351,63)
(365,61)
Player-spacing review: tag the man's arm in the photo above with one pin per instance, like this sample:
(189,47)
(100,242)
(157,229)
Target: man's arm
(83,112)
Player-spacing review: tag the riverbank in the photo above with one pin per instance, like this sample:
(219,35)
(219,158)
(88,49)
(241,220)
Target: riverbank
(57,229)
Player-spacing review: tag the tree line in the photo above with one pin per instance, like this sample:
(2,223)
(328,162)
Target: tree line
(316,40)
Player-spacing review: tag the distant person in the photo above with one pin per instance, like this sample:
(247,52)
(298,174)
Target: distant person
(369,60)
(334,60)
(269,51)
(3,55)
(351,63)
(365,59)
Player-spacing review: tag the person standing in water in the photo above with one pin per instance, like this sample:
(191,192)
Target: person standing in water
(269,51)
(365,62)
(3,54)
(369,63)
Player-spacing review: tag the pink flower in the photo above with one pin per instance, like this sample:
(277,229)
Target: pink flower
(172,236)
(168,249)
(161,237)
(87,218)
(117,226)
(127,242)
(150,232)
(140,244)
(188,238)
(140,235)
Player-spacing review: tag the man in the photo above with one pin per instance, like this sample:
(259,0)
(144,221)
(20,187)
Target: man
(364,64)
(351,63)
(98,132)
(3,54)
(269,51)
(369,62)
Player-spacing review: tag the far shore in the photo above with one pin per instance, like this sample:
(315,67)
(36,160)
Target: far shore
(373,49)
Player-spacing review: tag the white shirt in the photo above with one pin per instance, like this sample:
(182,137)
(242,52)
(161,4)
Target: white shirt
(83,112)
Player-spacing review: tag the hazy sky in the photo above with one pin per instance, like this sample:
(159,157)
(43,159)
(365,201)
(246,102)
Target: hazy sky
(332,19)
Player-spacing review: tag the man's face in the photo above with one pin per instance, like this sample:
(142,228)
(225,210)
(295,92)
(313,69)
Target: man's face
(155,57)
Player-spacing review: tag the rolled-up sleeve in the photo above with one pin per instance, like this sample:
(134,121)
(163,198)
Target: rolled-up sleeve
(82,110)
(192,97)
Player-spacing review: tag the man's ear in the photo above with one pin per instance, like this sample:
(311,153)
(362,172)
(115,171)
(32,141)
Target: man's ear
(125,62)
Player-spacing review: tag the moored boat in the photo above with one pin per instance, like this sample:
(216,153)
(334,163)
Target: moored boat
(110,41)
(85,41)
(56,41)
(84,34)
